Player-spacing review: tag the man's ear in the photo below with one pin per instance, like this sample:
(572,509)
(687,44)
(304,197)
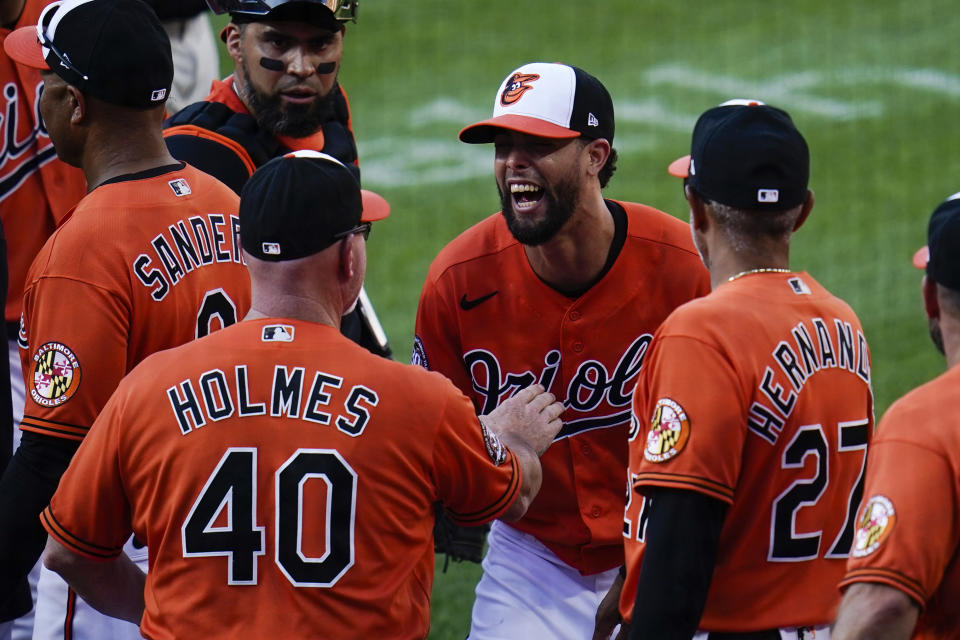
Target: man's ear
(698,209)
(805,212)
(349,257)
(598,151)
(231,37)
(78,105)
(931,303)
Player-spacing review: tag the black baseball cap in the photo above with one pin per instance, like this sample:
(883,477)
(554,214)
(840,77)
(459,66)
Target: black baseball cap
(327,14)
(748,155)
(301,203)
(549,100)
(941,256)
(114,50)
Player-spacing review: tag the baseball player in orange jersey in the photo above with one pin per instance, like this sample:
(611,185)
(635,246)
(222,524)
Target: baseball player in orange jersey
(902,578)
(565,289)
(278,462)
(36,191)
(752,413)
(149,259)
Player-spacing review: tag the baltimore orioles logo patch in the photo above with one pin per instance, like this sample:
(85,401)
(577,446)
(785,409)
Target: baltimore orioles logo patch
(55,373)
(669,431)
(874,525)
(516,87)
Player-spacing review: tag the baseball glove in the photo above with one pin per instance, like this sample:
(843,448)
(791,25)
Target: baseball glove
(456,542)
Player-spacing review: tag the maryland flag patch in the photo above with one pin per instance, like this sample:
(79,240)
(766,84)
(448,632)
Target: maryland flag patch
(669,431)
(54,374)
(876,521)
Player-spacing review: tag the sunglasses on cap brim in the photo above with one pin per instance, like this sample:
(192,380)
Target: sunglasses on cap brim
(47,47)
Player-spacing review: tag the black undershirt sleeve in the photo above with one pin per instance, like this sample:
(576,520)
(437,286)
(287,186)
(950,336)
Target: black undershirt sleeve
(682,536)
(26,487)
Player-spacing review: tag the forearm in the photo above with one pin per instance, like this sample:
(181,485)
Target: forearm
(526,423)
(531,477)
(873,611)
(113,587)
(608,613)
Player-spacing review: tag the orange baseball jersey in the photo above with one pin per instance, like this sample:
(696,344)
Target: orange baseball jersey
(284,478)
(758,395)
(488,323)
(143,263)
(36,188)
(908,533)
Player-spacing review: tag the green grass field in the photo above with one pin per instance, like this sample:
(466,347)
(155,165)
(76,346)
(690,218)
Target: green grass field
(874,86)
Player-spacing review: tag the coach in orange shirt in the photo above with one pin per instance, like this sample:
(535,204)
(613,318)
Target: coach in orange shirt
(753,409)
(282,475)
(902,577)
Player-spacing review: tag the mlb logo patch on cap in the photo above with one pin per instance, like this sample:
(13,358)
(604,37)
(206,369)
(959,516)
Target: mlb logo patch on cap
(271,248)
(768,195)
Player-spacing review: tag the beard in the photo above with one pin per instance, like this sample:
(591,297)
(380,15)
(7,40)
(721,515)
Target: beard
(560,202)
(292,120)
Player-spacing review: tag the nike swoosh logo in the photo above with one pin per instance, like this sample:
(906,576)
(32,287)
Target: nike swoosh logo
(466,305)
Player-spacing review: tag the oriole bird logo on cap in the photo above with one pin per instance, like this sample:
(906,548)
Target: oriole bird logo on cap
(516,87)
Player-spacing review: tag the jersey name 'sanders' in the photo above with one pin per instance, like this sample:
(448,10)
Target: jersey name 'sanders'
(210,238)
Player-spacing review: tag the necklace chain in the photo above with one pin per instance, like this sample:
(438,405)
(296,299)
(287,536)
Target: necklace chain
(760,270)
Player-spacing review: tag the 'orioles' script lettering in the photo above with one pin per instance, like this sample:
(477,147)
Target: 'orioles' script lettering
(816,346)
(590,387)
(187,245)
(15,161)
(215,396)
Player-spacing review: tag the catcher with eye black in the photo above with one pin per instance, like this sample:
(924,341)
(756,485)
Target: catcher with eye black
(284,95)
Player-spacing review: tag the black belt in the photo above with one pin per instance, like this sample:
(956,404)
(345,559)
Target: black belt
(768,634)
(13,330)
